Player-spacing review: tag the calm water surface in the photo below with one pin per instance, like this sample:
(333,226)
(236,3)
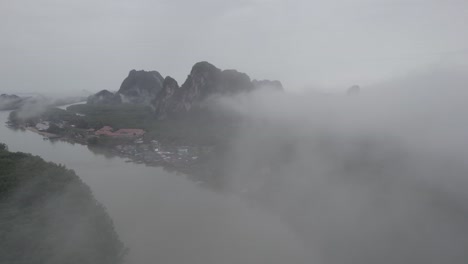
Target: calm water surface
(163,217)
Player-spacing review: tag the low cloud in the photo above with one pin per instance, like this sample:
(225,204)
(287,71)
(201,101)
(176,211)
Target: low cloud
(377,178)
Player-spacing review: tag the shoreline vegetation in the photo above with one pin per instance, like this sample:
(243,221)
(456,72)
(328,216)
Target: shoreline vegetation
(41,212)
(183,146)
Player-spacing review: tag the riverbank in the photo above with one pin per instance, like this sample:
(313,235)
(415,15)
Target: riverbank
(156,211)
(130,132)
(42,133)
(172,157)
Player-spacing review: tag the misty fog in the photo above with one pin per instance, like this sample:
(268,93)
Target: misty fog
(358,155)
(375,178)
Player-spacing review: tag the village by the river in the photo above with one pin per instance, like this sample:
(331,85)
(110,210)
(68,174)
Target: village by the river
(129,143)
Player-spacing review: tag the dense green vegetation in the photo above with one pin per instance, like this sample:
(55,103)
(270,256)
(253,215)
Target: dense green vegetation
(116,116)
(48,215)
(198,128)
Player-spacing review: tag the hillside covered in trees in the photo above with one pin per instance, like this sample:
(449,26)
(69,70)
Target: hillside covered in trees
(48,215)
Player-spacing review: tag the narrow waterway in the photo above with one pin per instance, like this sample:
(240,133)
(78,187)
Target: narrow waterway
(163,217)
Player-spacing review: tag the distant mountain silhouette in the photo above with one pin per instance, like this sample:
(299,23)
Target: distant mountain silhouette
(167,98)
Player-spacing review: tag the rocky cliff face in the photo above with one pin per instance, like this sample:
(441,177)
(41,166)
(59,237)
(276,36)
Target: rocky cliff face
(140,87)
(168,99)
(165,100)
(233,82)
(204,80)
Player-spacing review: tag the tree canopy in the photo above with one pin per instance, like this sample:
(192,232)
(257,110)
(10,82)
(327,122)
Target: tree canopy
(48,215)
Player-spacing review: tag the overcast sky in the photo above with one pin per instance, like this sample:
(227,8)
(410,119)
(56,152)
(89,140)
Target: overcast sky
(58,45)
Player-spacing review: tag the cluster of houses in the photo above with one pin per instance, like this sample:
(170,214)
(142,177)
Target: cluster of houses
(150,152)
(156,154)
(45,125)
(125,132)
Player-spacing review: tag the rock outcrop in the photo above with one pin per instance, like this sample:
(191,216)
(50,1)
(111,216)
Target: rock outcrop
(233,82)
(168,99)
(205,80)
(165,98)
(104,97)
(140,87)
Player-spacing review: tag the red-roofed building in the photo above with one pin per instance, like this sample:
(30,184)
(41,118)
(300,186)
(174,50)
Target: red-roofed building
(107,131)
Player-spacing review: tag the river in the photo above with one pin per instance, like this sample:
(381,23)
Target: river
(163,217)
